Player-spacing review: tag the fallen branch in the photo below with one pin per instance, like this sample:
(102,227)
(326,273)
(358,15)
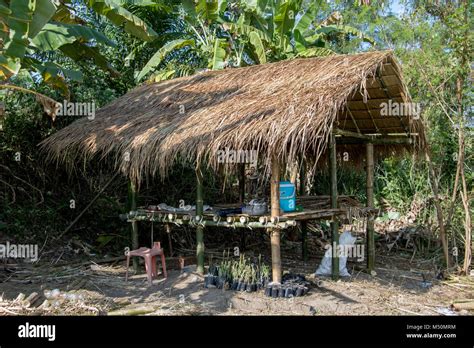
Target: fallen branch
(459,306)
(30,300)
(133,311)
(87,206)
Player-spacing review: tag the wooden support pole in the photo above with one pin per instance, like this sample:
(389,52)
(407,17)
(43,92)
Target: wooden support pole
(170,243)
(132,206)
(241,183)
(334,222)
(302,189)
(378,141)
(304,224)
(199,228)
(241,169)
(370,204)
(275,212)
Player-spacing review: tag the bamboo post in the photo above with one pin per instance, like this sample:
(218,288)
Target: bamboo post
(132,206)
(334,222)
(170,243)
(241,182)
(241,169)
(275,212)
(370,204)
(199,229)
(304,223)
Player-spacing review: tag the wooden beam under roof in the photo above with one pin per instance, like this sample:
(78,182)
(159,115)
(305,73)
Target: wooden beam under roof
(345,138)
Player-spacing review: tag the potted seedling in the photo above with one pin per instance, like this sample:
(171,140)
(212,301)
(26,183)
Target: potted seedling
(268,290)
(241,271)
(242,278)
(222,274)
(275,290)
(228,278)
(233,275)
(265,274)
(236,274)
(224,271)
(210,278)
(248,278)
(281,291)
(220,271)
(255,279)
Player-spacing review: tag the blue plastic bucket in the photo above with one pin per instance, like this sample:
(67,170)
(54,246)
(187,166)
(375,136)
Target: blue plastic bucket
(287,196)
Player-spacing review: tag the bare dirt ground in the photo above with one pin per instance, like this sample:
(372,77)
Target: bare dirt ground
(401,287)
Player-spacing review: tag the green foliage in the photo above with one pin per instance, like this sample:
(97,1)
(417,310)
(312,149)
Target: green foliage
(350,182)
(30,28)
(161,54)
(52,36)
(400,182)
(258,46)
(115,11)
(240,33)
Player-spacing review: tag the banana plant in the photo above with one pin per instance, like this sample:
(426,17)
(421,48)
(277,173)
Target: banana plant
(294,29)
(30,28)
(215,38)
(115,11)
(239,33)
(200,38)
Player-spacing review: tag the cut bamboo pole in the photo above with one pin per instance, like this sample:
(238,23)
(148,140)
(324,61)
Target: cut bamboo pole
(334,222)
(468,305)
(241,182)
(170,243)
(370,203)
(241,168)
(200,228)
(275,212)
(304,224)
(132,205)
(236,224)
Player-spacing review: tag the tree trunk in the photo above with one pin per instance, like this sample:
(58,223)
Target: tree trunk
(334,222)
(464,193)
(304,224)
(439,211)
(199,228)
(132,205)
(370,203)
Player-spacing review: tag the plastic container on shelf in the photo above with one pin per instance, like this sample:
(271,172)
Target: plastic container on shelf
(287,196)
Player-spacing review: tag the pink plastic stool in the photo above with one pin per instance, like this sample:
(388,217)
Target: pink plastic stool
(150,260)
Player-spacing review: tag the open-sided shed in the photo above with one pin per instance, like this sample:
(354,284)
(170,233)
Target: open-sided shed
(289,112)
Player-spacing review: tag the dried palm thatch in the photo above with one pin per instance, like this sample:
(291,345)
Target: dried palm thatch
(283,109)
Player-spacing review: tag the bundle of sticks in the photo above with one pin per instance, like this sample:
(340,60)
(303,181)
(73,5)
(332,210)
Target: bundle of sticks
(355,209)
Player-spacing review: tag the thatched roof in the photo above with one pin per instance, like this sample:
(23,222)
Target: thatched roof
(286,108)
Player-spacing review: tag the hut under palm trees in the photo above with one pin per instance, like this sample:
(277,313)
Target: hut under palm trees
(290,112)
